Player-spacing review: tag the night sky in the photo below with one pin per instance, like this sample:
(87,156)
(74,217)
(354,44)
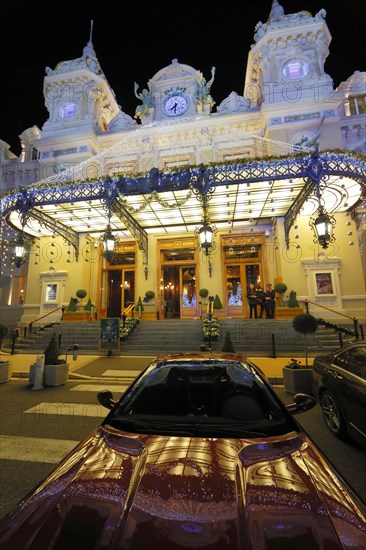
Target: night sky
(134,40)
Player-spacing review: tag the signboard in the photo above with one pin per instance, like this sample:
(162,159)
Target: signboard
(109,333)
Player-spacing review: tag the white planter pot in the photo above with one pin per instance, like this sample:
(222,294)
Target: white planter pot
(54,375)
(5,371)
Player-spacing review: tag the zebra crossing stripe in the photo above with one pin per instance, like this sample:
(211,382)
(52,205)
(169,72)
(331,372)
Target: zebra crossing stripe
(34,449)
(99,387)
(69,409)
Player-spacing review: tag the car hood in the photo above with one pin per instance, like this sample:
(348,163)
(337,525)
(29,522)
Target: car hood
(133,491)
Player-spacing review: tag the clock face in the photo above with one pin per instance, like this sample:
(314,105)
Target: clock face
(68,110)
(175,105)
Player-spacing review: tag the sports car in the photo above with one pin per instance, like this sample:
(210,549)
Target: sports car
(198,453)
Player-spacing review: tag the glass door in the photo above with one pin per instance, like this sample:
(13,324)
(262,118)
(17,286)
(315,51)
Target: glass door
(238,279)
(189,295)
(121,291)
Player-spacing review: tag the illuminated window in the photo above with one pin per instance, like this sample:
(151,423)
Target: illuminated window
(295,69)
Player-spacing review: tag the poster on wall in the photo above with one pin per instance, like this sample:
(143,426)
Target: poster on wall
(324,284)
(51,293)
(109,334)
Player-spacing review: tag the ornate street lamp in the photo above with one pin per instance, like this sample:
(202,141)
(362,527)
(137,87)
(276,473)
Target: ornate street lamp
(109,241)
(323,226)
(19,251)
(206,232)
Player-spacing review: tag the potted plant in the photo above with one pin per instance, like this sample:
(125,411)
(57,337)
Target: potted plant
(72,313)
(293,308)
(56,370)
(292,301)
(210,329)
(305,324)
(5,364)
(297,378)
(280,288)
(203,293)
(139,306)
(149,295)
(228,345)
(81,293)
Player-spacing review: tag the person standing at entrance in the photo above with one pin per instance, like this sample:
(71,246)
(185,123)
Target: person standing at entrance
(260,300)
(252,301)
(269,300)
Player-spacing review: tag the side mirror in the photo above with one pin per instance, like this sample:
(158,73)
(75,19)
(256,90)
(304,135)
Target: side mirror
(105,398)
(302,402)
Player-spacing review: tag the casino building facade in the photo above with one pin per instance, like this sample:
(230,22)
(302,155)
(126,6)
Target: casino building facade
(251,171)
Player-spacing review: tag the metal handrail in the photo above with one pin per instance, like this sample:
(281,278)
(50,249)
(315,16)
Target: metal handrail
(45,315)
(353,319)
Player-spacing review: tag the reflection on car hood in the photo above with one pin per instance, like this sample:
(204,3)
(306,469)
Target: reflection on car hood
(133,491)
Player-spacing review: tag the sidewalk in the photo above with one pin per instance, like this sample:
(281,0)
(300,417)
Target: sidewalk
(271,367)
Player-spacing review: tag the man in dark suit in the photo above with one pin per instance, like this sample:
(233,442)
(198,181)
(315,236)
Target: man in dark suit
(269,300)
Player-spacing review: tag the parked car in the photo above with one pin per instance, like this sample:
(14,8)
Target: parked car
(339,384)
(198,453)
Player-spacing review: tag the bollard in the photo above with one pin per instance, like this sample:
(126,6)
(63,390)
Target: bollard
(273,356)
(38,373)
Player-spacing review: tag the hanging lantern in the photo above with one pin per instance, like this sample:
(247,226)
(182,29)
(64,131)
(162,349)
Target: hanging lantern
(19,252)
(109,242)
(323,226)
(205,234)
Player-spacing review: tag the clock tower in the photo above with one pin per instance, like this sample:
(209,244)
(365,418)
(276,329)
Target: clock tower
(286,61)
(175,92)
(286,78)
(78,96)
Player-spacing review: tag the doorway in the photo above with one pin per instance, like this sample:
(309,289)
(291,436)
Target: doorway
(179,291)
(121,291)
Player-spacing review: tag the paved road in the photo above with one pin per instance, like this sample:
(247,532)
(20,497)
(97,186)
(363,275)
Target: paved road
(37,428)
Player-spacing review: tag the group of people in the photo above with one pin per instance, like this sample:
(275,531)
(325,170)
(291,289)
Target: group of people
(265,299)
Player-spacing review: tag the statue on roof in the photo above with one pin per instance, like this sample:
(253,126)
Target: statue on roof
(147,102)
(276,12)
(203,89)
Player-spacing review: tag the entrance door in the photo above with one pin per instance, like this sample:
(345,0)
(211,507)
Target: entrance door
(179,291)
(238,279)
(171,291)
(121,291)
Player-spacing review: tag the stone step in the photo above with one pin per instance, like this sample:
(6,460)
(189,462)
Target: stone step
(265,336)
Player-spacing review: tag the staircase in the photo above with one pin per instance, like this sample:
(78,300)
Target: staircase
(252,337)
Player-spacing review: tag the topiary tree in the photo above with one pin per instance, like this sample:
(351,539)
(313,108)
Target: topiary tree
(72,305)
(139,305)
(280,288)
(292,302)
(228,345)
(52,353)
(217,303)
(81,293)
(203,293)
(88,305)
(305,324)
(149,295)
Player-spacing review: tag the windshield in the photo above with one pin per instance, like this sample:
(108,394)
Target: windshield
(201,398)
